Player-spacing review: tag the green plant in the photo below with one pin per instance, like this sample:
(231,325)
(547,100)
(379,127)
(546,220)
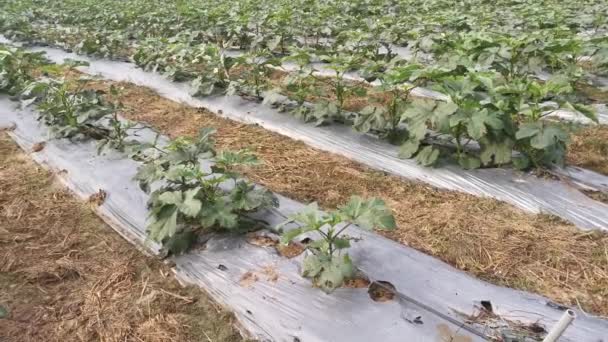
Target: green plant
(541,142)
(257,66)
(119,130)
(68,113)
(194,199)
(215,73)
(16,68)
(385,116)
(299,85)
(79,112)
(327,264)
(326,111)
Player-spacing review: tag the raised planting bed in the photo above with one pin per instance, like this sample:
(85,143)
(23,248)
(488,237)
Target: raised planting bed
(432,301)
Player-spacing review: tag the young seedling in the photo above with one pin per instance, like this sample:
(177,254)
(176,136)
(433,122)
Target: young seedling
(328,265)
(326,111)
(68,113)
(216,68)
(119,129)
(257,67)
(299,84)
(385,116)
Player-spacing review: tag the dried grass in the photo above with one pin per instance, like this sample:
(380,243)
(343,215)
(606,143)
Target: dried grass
(66,276)
(589,148)
(487,238)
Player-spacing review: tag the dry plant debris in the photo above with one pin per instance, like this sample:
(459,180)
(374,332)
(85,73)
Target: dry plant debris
(39,146)
(487,238)
(589,149)
(66,276)
(98,198)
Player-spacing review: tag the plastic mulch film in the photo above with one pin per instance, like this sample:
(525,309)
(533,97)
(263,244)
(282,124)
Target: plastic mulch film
(432,302)
(523,190)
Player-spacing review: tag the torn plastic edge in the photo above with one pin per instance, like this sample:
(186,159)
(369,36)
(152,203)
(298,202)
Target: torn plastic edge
(378,257)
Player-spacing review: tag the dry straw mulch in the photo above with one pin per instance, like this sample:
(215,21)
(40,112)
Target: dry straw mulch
(589,148)
(66,276)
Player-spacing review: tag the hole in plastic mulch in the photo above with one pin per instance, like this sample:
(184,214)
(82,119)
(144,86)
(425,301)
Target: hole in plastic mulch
(382,291)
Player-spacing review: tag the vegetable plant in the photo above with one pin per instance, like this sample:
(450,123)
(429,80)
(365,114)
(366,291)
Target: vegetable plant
(299,85)
(328,263)
(68,113)
(385,116)
(216,67)
(16,68)
(341,89)
(192,198)
(257,67)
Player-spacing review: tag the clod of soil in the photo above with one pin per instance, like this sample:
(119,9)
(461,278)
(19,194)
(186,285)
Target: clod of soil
(357,283)
(382,291)
(98,198)
(271,273)
(248,279)
(8,128)
(268,273)
(597,195)
(262,240)
(292,250)
(39,146)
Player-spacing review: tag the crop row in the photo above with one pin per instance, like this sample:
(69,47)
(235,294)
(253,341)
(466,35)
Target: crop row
(486,61)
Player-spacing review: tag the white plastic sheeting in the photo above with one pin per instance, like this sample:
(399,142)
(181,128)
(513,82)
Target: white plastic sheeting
(433,298)
(520,189)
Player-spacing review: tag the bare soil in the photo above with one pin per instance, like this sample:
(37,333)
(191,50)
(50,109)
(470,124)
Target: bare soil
(484,237)
(66,276)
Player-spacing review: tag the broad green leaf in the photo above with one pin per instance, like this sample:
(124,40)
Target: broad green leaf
(498,152)
(527,130)
(232,158)
(469,162)
(521,162)
(311,266)
(427,156)
(310,216)
(341,243)
(171,197)
(180,242)
(190,205)
(291,234)
(367,214)
(409,149)
(218,214)
(334,272)
(548,136)
(163,224)
(245,196)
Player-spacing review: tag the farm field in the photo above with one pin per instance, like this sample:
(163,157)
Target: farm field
(463,93)
(490,60)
